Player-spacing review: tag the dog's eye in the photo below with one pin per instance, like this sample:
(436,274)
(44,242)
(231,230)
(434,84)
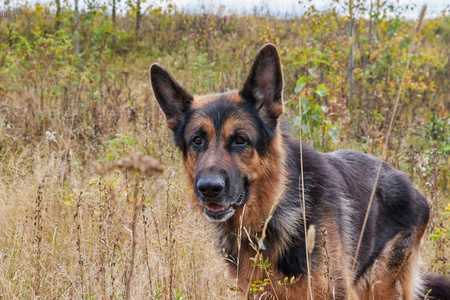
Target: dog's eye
(197,140)
(240,141)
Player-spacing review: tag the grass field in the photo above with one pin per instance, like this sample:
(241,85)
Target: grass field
(68,232)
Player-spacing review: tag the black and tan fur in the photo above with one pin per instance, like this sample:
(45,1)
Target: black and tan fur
(239,158)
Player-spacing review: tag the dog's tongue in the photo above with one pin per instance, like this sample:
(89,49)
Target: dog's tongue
(215,207)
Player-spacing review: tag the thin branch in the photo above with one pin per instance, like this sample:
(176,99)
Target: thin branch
(386,142)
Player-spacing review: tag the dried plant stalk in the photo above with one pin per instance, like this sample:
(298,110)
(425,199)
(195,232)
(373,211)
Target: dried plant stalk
(145,165)
(386,142)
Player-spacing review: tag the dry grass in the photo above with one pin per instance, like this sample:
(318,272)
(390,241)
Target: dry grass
(65,243)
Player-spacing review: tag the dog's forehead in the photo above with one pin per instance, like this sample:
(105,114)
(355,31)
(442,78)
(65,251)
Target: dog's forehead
(221,115)
(202,100)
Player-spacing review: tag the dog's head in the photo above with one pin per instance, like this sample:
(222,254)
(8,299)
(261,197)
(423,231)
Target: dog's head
(230,142)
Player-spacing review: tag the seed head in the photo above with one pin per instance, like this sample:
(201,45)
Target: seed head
(143,164)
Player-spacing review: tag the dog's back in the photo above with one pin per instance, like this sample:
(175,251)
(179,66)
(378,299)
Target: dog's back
(390,248)
(337,189)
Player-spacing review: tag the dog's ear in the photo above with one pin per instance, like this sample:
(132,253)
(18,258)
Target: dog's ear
(264,84)
(172,97)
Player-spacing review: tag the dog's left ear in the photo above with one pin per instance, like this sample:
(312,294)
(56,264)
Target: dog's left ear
(264,84)
(171,96)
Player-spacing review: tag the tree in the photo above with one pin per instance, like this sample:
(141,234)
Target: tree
(58,14)
(138,20)
(113,13)
(76,42)
(136,9)
(352,52)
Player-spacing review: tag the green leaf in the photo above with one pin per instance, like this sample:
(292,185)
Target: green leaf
(313,72)
(300,84)
(323,62)
(321,90)
(305,129)
(303,61)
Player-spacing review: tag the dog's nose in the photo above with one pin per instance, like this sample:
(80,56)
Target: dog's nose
(210,186)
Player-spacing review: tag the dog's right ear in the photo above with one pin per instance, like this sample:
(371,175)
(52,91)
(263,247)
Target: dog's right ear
(264,84)
(172,97)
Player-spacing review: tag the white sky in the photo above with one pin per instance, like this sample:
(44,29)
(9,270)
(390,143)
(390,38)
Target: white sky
(293,6)
(275,7)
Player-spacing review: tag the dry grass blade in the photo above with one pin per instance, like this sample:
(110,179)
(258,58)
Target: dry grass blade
(420,20)
(239,239)
(37,240)
(303,202)
(131,263)
(263,237)
(143,164)
(386,142)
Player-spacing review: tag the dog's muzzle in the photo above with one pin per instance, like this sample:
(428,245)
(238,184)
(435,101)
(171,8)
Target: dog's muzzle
(211,193)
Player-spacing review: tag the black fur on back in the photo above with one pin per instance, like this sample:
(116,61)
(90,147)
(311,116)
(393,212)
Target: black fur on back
(340,183)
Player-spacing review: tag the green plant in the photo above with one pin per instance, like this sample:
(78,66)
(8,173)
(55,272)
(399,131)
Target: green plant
(119,146)
(440,132)
(263,284)
(314,119)
(178,295)
(204,74)
(442,236)
(157,293)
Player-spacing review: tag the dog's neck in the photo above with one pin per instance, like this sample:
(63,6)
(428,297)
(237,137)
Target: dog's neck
(254,225)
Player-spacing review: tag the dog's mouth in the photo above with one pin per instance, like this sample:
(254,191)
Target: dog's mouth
(216,208)
(217,212)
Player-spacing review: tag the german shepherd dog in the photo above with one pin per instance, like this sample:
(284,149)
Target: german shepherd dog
(239,160)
